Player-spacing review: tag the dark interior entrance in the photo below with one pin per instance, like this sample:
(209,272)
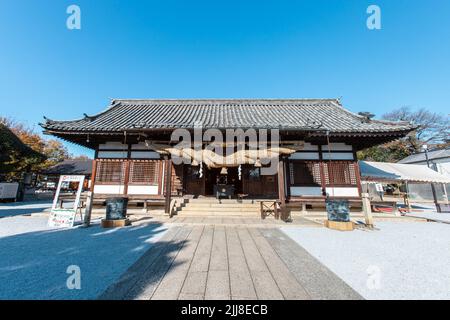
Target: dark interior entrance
(252,183)
(194,182)
(213,177)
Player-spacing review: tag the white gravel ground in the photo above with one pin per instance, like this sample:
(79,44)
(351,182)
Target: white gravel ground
(34,258)
(401,260)
(442,217)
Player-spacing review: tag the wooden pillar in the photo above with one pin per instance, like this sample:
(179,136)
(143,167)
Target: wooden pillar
(168,185)
(322,171)
(367,210)
(127,170)
(357,172)
(304,210)
(127,177)
(90,196)
(281,186)
(406,198)
(93,174)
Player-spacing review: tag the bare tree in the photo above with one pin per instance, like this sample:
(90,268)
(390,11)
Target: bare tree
(433,128)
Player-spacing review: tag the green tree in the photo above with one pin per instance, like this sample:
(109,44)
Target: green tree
(51,151)
(15,156)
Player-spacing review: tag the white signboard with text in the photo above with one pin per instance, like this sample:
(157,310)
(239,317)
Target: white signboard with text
(379,187)
(63,213)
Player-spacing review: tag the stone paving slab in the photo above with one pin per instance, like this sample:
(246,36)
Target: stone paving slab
(128,280)
(150,278)
(287,283)
(218,285)
(208,261)
(195,283)
(219,251)
(314,277)
(170,286)
(240,220)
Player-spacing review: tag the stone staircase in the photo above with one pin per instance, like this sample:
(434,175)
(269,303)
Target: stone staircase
(214,207)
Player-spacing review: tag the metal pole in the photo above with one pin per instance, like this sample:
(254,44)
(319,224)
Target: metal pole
(433,190)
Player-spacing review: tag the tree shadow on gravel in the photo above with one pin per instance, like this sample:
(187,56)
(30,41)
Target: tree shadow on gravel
(33,265)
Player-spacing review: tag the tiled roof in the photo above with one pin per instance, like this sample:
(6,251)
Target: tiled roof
(83,167)
(432,155)
(285,114)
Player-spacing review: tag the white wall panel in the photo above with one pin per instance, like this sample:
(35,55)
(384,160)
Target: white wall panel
(342,191)
(304,156)
(310,147)
(113,145)
(306,191)
(337,156)
(139,146)
(149,190)
(109,188)
(112,154)
(337,146)
(144,155)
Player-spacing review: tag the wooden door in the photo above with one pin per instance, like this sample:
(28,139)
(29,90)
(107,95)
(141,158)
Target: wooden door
(270,186)
(257,185)
(193,183)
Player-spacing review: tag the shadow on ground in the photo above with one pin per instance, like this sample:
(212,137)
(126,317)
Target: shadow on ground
(33,265)
(23,208)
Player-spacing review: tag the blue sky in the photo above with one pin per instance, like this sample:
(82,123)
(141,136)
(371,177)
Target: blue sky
(221,49)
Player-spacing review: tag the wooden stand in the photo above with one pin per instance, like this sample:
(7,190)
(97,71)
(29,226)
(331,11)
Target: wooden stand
(341,226)
(115,223)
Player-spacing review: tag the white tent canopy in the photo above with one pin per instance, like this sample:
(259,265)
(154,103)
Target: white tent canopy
(382,171)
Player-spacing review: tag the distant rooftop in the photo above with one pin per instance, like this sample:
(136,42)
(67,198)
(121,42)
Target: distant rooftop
(432,155)
(71,167)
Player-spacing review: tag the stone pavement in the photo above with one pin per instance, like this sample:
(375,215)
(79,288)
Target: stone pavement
(227,261)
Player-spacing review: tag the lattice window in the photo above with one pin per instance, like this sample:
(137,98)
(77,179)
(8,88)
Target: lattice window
(110,172)
(144,172)
(305,173)
(177,179)
(340,173)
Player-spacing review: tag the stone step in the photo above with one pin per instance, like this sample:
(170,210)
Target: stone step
(223,205)
(219,214)
(222,201)
(206,209)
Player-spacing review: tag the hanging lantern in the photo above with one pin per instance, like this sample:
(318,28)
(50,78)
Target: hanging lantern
(240,172)
(258,163)
(224,170)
